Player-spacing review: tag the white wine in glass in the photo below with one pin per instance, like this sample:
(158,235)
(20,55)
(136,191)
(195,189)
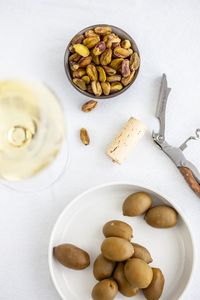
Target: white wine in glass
(31,128)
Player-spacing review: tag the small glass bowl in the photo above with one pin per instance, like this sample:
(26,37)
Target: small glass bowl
(122,34)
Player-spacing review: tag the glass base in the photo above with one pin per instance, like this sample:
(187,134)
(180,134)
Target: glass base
(45,178)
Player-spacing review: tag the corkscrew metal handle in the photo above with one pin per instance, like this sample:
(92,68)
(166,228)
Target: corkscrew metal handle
(187,169)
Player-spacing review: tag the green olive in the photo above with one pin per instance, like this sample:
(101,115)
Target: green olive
(105,290)
(138,273)
(161,216)
(142,253)
(103,268)
(71,256)
(136,204)
(118,229)
(155,289)
(117,249)
(124,286)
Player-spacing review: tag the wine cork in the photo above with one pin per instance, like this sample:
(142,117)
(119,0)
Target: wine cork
(126,140)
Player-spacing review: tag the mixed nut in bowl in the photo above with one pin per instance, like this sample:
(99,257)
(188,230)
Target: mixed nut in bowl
(102,61)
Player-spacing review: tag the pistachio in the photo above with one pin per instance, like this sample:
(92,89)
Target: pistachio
(103,30)
(73,65)
(121,52)
(71,49)
(102,74)
(92,72)
(99,48)
(125,69)
(114,45)
(106,57)
(134,61)
(84,61)
(114,78)
(89,89)
(116,63)
(130,51)
(126,44)
(90,33)
(86,79)
(115,87)
(95,59)
(100,62)
(91,41)
(128,79)
(74,57)
(80,83)
(81,50)
(110,39)
(78,73)
(84,136)
(105,88)
(88,106)
(105,38)
(109,70)
(96,88)
(78,39)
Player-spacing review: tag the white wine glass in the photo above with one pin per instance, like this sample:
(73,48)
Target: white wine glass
(33,146)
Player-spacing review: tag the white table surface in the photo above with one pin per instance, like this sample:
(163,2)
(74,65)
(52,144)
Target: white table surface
(33,37)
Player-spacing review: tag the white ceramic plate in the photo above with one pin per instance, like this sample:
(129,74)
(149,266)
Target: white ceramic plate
(81,224)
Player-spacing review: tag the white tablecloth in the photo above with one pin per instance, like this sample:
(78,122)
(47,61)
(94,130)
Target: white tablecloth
(33,37)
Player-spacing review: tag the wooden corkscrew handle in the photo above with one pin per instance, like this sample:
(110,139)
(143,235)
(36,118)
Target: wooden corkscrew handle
(189,177)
